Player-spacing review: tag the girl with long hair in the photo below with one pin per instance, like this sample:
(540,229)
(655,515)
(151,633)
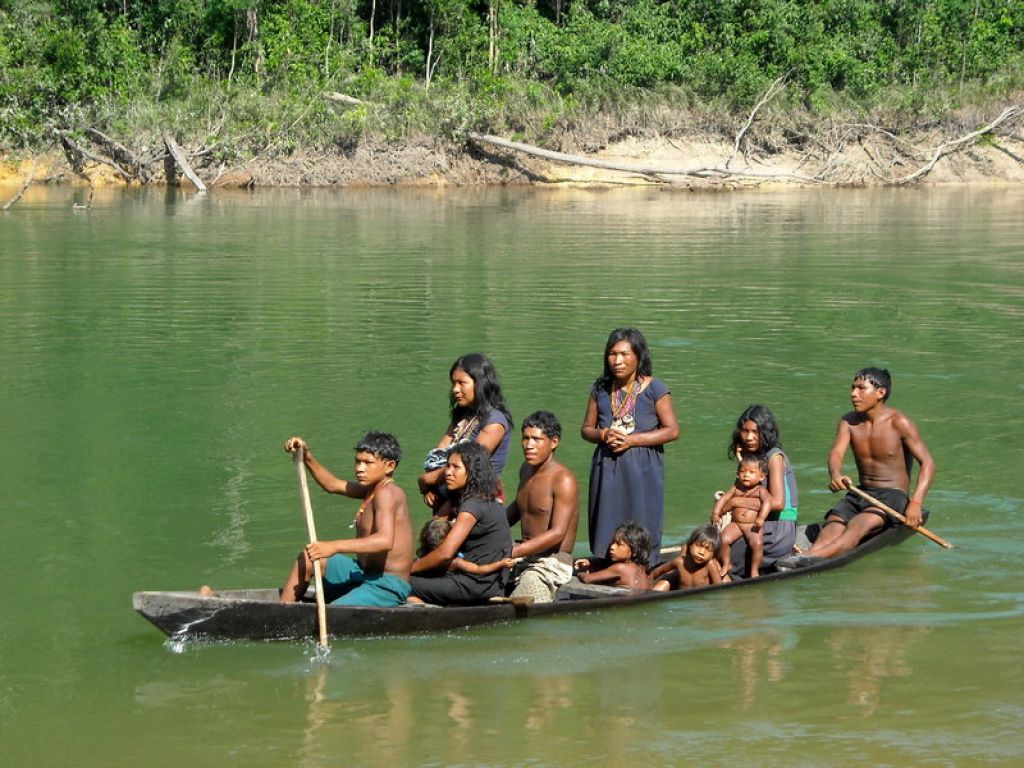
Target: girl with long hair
(478,414)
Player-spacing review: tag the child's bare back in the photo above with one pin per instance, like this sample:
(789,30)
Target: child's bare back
(628,575)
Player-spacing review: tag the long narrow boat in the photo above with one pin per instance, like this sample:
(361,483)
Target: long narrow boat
(256,614)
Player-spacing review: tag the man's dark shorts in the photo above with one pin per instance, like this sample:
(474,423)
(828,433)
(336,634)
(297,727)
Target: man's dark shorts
(852,504)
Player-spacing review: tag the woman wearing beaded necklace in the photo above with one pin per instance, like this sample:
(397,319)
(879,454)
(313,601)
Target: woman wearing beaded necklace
(630,417)
(478,414)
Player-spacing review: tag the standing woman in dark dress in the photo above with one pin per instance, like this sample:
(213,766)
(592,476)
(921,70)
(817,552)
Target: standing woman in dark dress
(630,416)
(757,434)
(479,533)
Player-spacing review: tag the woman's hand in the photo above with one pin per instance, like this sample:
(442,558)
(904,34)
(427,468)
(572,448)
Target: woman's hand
(430,498)
(581,564)
(617,440)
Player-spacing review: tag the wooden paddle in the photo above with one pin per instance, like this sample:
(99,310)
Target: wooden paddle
(893,513)
(321,606)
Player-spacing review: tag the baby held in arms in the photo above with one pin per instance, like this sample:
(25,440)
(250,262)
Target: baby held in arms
(629,553)
(695,566)
(434,532)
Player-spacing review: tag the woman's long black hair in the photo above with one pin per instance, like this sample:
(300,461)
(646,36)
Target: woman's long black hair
(481,480)
(643,357)
(767,430)
(487,389)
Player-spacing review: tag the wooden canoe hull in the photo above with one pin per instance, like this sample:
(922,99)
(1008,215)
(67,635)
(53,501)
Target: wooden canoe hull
(256,614)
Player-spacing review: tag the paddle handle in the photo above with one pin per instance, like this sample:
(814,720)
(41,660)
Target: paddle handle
(318,577)
(893,513)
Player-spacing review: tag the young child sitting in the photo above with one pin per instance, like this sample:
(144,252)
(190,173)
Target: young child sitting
(434,532)
(629,553)
(696,565)
(746,522)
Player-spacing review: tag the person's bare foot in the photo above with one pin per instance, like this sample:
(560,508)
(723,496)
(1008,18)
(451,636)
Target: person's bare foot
(206,591)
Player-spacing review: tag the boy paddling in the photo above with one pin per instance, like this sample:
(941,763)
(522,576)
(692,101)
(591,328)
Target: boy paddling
(547,506)
(379,574)
(885,443)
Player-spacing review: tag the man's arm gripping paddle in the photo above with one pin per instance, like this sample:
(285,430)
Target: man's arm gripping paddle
(897,516)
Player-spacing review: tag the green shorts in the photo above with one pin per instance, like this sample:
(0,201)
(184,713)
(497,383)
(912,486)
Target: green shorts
(345,583)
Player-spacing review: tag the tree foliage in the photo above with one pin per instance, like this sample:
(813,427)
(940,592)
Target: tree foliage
(60,59)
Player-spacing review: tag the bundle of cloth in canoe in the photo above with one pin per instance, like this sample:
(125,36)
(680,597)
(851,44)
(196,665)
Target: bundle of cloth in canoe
(465,553)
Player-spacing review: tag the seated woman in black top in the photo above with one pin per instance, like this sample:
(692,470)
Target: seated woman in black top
(479,533)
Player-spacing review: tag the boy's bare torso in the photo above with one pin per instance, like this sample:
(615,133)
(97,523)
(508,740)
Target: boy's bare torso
(882,456)
(397,561)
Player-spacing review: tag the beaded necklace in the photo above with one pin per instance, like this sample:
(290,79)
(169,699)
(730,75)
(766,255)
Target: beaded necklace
(369,499)
(464,429)
(622,409)
(625,406)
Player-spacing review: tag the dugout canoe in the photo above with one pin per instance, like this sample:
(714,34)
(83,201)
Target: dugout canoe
(256,614)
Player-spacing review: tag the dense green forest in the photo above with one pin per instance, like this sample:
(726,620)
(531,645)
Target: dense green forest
(441,67)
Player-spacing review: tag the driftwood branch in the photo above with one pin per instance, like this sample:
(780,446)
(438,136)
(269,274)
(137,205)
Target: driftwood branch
(71,147)
(773,90)
(25,186)
(342,98)
(698,172)
(182,162)
(953,145)
(119,152)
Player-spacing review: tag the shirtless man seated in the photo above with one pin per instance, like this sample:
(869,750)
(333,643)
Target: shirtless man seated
(371,569)
(546,505)
(885,443)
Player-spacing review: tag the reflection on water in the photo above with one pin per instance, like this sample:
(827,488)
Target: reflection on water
(870,659)
(155,351)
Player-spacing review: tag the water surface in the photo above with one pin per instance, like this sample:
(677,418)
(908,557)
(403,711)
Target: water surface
(156,350)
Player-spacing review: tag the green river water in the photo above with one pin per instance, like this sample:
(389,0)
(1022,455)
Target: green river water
(156,350)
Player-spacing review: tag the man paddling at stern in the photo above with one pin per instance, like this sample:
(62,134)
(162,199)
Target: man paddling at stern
(547,504)
(885,442)
(379,574)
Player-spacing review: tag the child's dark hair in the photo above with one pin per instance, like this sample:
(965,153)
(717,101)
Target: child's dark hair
(487,395)
(432,534)
(767,430)
(877,377)
(708,535)
(636,537)
(643,356)
(753,459)
(383,445)
(481,481)
(546,422)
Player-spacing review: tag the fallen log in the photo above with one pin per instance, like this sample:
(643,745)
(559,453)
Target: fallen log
(120,153)
(25,186)
(703,172)
(342,98)
(182,162)
(77,154)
